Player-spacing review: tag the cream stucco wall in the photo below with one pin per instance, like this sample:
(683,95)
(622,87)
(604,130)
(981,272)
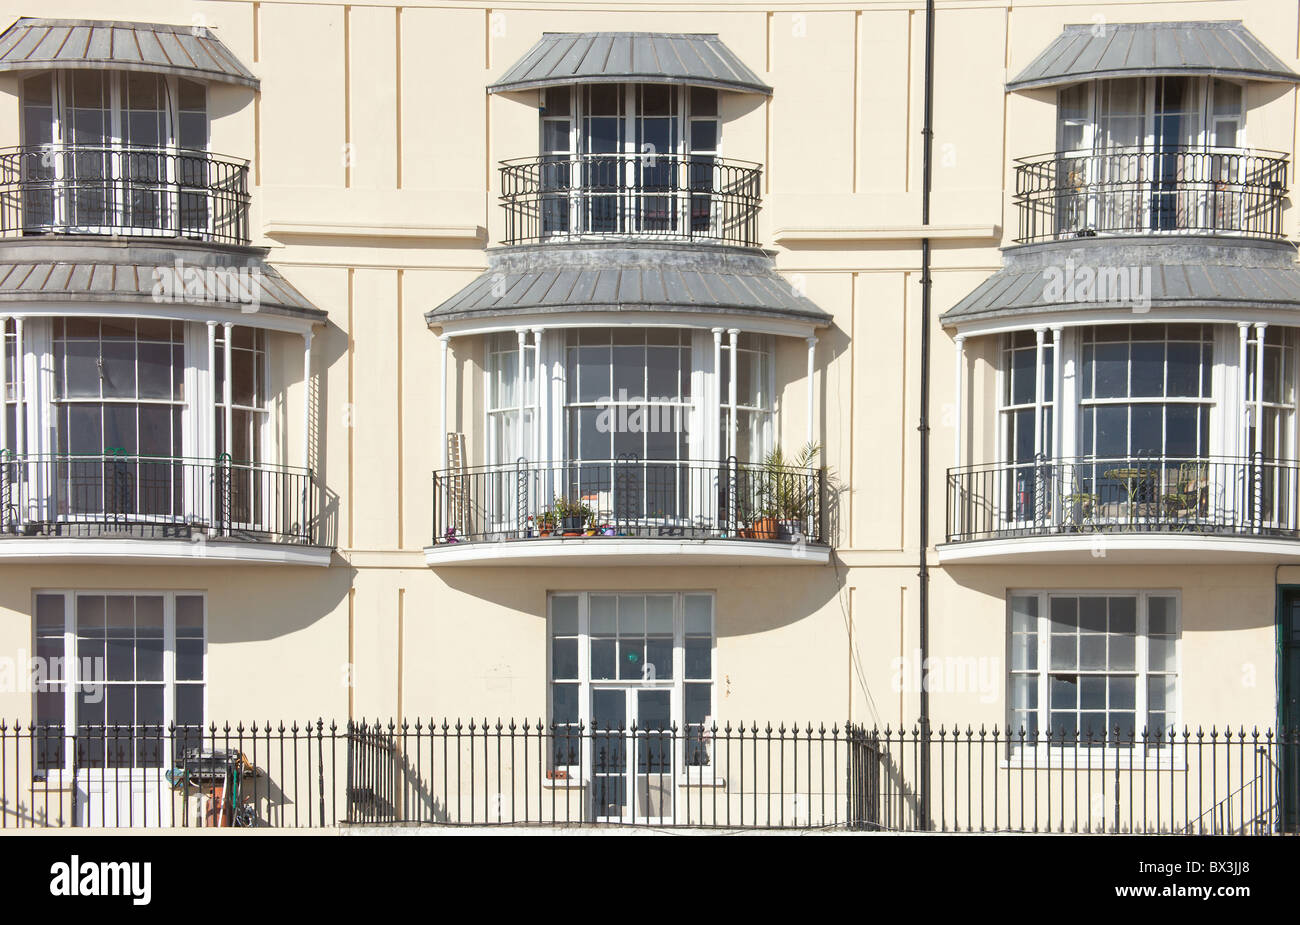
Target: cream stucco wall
(373,147)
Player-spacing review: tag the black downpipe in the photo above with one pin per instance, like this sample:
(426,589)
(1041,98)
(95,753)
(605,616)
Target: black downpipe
(927,140)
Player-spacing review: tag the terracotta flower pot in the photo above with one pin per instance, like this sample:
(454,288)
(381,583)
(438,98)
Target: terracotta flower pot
(766,528)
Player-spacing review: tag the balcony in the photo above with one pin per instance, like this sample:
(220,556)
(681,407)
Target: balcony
(663,197)
(118,507)
(640,511)
(1136,509)
(1220,191)
(123,191)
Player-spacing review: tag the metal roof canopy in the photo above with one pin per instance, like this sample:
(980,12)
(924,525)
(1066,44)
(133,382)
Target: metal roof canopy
(1213,275)
(1092,51)
(186,51)
(595,284)
(699,60)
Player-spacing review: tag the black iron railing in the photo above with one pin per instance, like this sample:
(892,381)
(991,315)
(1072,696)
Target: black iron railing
(1250,496)
(670,196)
(127,191)
(1120,191)
(729,775)
(631,497)
(113,494)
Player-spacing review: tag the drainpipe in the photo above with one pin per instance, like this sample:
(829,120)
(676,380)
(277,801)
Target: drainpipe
(927,143)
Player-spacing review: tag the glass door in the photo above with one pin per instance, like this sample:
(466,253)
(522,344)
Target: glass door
(633,756)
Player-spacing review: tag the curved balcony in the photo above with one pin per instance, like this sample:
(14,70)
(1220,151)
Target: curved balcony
(1120,191)
(120,507)
(673,197)
(640,511)
(1140,508)
(137,192)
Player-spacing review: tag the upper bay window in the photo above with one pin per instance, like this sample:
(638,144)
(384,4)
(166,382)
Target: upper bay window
(630,159)
(1155,154)
(110,152)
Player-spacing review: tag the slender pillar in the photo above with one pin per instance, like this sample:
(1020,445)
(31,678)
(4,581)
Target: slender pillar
(442,418)
(212,389)
(20,389)
(1058,385)
(958,386)
(1259,424)
(717,380)
(1038,392)
(4,384)
(519,393)
(306,399)
(734,335)
(228,391)
(537,391)
(1243,401)
(812,386)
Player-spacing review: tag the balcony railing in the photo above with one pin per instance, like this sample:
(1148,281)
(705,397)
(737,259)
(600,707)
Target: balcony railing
(116,495)
(674,197)
(1080,194)
(724,775)
(632,497)
(126,191)
(1249,496)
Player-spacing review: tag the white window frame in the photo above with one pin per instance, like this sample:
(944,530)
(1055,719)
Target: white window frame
(1172,756)
(676,684)
(116,135)
(72,665)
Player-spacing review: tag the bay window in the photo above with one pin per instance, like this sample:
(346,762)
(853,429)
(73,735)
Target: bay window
(1092,668)
(105,150)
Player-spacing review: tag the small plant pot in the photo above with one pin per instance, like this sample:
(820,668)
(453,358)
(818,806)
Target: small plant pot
(766,528)
(573,526)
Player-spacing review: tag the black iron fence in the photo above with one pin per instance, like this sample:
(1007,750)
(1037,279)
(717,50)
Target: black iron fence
(1140,493)
(673,196)
(630,497)
(1078,194)
(723,776)
(123,190)
(113,494)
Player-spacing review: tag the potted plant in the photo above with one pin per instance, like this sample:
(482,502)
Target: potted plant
(784,493)
(571,516)
(544,522)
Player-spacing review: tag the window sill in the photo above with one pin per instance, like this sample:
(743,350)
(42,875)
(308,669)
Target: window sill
(1098,763)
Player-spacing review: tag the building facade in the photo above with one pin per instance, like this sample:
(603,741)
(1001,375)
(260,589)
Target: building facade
(562,364)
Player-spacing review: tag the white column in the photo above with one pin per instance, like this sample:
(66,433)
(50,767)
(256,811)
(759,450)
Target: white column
(1243,402)
(228,391)
(812,385)
(734,335)
(4,384)
(20,389)
(958,386)
(306,399)
(442,418)
(1258,399)
(1058,385)
(537,391)
(211,416)
(519,392)
(1038,391)
(717,382)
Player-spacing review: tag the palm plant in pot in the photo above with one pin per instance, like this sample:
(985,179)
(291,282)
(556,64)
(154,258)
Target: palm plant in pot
(786,488)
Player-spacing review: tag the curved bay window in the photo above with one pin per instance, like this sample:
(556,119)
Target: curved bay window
(120,423)
(1146,155)
(118,153)
(1141,426)
(627,429)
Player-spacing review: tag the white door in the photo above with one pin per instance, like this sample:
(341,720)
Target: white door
(633,773)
